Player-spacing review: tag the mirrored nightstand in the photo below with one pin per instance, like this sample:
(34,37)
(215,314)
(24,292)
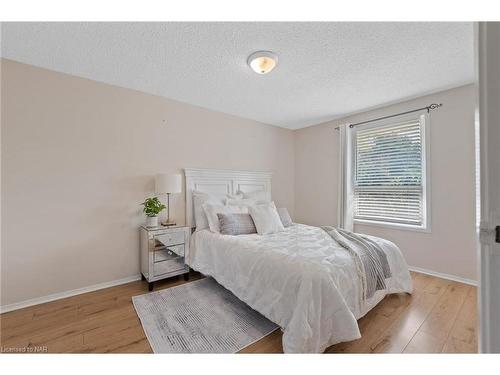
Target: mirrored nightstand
(163,253)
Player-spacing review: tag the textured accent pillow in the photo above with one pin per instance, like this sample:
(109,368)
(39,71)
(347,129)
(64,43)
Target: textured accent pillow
(266,218)
(263,196)
(211,210)
(285,217)
(235,224)
(199,199)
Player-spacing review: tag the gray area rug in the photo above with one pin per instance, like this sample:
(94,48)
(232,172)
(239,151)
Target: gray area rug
(199,317)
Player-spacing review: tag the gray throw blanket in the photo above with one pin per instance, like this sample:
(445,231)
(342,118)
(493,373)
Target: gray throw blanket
(371,261)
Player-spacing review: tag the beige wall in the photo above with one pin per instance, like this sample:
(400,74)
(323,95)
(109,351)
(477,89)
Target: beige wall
(79,156)
(450,247)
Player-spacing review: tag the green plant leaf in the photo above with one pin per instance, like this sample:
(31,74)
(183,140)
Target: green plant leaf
(153,206)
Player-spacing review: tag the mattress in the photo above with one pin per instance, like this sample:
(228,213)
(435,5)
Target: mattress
(300,278)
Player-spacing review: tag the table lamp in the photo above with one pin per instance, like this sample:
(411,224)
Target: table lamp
(168,184)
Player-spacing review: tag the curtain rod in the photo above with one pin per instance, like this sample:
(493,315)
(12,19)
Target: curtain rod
(428,109)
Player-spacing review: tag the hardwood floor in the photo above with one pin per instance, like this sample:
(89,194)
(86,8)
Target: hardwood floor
(439,317)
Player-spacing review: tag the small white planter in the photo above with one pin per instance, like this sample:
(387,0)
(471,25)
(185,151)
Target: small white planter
(151,221)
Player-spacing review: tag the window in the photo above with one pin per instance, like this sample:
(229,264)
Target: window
(389,174)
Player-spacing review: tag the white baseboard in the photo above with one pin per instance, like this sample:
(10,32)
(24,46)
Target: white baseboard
(443,275)
(69,293)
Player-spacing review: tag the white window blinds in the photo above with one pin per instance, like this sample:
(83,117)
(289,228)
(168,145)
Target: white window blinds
(388,181)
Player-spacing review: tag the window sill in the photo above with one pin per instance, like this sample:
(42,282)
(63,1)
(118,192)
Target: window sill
(411,228)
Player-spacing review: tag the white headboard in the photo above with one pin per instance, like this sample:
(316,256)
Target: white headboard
(220,182)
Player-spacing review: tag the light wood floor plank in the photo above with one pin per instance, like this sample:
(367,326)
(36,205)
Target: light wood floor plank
(397,336)
(440,315)
(463,335)
(434,331)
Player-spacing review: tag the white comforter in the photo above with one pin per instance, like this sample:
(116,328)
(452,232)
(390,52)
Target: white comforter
(301,279)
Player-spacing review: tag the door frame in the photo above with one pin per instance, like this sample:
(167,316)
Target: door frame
(487,54)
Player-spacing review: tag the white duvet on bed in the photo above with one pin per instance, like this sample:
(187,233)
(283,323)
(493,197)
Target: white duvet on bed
(301,279)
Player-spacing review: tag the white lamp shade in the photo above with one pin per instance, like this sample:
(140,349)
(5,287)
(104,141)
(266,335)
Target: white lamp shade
(168,183)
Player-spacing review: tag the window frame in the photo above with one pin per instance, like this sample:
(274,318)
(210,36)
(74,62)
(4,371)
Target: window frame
(426,178)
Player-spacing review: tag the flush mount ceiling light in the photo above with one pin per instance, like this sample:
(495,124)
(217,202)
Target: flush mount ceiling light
(262,62)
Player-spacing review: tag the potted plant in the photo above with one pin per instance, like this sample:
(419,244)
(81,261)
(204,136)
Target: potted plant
(152,207)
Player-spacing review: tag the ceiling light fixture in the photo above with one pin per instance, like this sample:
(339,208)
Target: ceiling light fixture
(262,62)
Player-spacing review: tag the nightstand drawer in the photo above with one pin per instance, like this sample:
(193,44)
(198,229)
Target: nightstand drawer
(168,266)
(174,238)
(170,252)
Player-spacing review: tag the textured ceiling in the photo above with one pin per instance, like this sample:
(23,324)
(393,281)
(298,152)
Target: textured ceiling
(325,70)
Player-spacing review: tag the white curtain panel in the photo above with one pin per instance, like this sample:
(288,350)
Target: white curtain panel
(345,205)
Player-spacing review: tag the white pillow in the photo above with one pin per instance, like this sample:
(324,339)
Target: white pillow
(266,218)
(199,199)
(211,211)
(263,196)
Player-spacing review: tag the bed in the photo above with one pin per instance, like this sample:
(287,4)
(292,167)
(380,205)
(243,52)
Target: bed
(300,278)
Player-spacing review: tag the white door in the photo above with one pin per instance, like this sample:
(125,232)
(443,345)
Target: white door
(489,114)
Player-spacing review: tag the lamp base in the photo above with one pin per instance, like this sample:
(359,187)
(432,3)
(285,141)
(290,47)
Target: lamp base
(169,223)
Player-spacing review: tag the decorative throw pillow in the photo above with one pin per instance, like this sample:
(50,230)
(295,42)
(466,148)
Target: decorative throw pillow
(266,218)
(235,224)
(200,198)
(285,217)
(211,210)
(263,196)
